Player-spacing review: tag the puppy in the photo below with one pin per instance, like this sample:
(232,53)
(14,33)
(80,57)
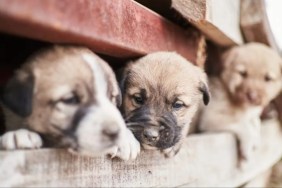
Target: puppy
(161,93)
(250,79)
(66,97)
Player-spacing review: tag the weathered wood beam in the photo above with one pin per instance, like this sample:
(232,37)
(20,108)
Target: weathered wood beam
(120,28)
(206,160)
(255,24)
(218,20)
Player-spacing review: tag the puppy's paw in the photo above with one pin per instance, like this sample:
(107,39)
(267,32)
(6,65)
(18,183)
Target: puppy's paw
(20,139)
(246,153)
(245,157)
(247,145)
(128,148)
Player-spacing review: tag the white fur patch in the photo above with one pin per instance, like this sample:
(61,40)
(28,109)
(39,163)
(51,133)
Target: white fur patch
(20,139)
(104,115)
(99,77)
(128,148)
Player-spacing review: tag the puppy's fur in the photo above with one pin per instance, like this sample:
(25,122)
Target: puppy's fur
(250,79)
(161,93)
(66,96)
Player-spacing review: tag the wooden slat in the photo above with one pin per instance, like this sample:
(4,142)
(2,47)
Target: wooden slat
(207,160)
(218,20)
(269,154)
(121,28)
(262,180)
(254,23)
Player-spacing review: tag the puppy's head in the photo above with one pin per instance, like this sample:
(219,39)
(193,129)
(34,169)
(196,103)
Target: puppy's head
(161,93)
(68,95)
(252,74)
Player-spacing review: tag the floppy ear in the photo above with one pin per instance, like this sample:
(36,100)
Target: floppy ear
(121,77)
(229,56)
(206,93)
(113,88)
(18,92)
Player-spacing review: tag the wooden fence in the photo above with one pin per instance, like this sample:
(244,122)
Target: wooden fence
(206,160)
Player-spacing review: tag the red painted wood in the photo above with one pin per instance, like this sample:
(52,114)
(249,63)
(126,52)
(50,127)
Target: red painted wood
(120,28)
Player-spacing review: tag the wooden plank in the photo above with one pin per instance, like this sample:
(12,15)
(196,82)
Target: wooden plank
(218,20)
(206,160)
(120,28)
(269,154)
(276,175)
(261,180)
(254,23)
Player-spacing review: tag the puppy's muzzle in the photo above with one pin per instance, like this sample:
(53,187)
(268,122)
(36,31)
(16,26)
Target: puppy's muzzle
(251,96)
(95,129)
(151,134)
(254,97)
(108,127)
(160,132)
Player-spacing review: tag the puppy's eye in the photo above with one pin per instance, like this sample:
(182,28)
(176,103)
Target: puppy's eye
(73,100)
(178,105)
(268,78)
(138,99)
(243,73)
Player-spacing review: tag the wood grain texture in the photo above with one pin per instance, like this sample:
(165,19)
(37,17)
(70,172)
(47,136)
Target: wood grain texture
(210,16)
(254,23)
(120,28)
(206,160)
(261,180)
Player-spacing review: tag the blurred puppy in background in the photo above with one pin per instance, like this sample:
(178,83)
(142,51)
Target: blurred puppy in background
(250,79)
(161,93)
(66,97)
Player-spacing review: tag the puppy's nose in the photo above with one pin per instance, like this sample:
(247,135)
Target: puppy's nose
(152,135)
(253,97)
(111,133)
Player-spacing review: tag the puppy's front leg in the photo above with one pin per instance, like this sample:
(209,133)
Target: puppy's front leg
(249,138)
(128,147)
(20,139)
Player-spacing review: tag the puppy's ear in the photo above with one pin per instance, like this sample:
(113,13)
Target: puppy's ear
(229,56)
(113,89)
(118,99)
(121,77)
(205,91)
(18,92)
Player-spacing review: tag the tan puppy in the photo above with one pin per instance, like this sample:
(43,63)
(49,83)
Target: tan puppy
(250,79)
(67,96)
(161,93)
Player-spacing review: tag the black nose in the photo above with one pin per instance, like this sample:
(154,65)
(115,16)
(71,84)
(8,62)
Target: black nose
(151,135)
(112,134)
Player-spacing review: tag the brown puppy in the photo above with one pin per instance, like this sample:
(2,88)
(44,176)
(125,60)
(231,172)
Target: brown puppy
(67,96)
(161,93)
(250,79)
